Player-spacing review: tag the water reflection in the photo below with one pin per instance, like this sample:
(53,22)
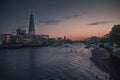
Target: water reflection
(48,63)
(32,64)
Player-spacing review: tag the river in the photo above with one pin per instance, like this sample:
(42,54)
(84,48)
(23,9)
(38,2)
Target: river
(70,62)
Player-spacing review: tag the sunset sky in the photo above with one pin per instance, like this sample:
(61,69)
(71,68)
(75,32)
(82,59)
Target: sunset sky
(75,19)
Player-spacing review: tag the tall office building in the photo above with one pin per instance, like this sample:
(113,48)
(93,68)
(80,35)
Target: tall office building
(31,25)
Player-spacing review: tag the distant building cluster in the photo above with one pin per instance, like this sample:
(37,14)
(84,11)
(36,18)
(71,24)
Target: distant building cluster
(22,38)
(93,39)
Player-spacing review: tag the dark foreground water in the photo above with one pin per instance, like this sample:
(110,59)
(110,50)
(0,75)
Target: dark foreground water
(49,63)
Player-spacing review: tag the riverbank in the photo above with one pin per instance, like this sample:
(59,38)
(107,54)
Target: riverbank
(18,46)
(100,58)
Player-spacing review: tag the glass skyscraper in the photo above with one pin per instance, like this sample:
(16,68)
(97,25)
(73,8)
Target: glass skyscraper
(31,25)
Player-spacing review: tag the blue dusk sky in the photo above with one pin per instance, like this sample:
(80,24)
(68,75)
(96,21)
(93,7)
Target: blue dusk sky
(75,19)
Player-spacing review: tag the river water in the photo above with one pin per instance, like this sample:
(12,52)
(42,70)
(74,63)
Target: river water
(71,62)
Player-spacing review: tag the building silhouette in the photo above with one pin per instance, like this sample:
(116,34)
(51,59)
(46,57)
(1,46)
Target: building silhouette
(31,25)
(20,32)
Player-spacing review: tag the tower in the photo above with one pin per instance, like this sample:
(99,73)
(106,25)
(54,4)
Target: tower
(31,25)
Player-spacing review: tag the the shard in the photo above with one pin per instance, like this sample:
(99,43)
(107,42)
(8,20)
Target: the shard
(31,25)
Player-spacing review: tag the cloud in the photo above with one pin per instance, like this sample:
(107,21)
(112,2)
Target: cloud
(50,22)
(99,23)
(72,16)
(57,21)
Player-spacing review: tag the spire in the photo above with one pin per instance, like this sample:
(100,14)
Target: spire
(31,24)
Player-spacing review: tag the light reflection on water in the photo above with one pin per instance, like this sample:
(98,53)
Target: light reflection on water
(48,63)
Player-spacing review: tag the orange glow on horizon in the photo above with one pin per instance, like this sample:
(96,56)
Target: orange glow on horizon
(78,34)
(76,29)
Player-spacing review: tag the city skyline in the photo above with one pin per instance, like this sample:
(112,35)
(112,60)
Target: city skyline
(75,19)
